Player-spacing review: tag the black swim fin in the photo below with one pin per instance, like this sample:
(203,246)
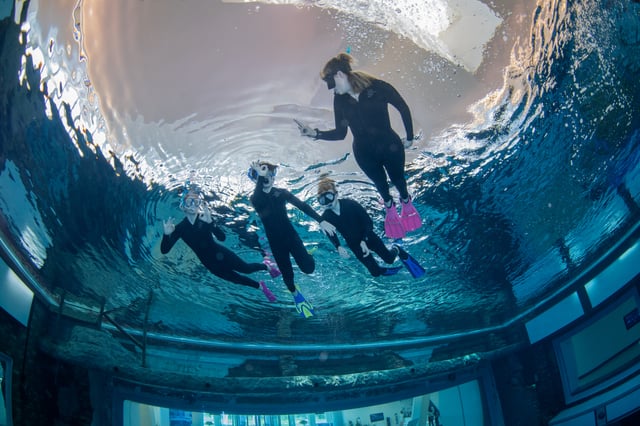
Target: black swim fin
(415,269)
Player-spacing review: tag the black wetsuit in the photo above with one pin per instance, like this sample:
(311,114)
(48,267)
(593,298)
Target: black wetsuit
(283,238)
(355,225)
(376,146)
(218,259)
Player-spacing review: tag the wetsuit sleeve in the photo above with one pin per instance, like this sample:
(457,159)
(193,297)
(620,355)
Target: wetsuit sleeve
(342,125)
(217,232)
(306,208)
(257,199)
(333,238)
(169,240)
(399,103)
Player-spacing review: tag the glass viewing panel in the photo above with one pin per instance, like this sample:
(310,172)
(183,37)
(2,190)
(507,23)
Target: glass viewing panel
(462,404)
(5,390)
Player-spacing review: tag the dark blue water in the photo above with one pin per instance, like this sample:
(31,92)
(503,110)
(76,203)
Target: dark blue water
(514,205)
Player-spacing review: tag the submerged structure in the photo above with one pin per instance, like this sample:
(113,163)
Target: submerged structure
(526,177)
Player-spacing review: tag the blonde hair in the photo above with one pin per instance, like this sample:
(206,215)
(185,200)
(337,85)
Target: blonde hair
(359,80)
(325,185)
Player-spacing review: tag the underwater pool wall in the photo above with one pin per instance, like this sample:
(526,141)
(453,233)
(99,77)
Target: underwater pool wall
(188,375)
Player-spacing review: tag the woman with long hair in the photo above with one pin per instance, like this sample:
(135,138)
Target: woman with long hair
(360,104)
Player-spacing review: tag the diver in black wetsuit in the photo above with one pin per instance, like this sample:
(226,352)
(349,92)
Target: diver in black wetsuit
(356,227)
(361,104)
(271,205)
(197,230)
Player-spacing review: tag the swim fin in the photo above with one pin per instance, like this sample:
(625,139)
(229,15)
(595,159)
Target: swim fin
(392,224)
(415,269)
(303,306)
(409,216)
(267,293)
(272,267)
(386,271)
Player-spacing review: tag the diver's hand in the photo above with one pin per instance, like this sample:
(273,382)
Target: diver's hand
(327,228)
(306,130)
(261,169)
(343,252)
(255,165)
(205,215)
(365,249)
(168,226)
(408,143)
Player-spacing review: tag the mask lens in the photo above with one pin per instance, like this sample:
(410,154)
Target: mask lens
(326,198)
(253,174)
(330,80)
(191,202)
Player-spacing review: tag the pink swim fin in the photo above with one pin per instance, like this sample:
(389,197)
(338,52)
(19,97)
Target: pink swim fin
(268,294)
(272,267)
(410,217)
(392,224)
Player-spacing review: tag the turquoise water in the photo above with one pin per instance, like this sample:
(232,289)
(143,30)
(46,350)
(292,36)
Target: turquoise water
(515,201)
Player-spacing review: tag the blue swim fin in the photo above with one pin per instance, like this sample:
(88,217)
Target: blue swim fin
(415,269)
(386,271)
(303,306)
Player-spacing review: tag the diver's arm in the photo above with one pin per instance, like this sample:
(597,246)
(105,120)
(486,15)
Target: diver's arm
(259,196)
(325,226)
(399,103)
(169,239)
(216,231)
(306,208)
(211,226)
(333,238)
(340,131)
